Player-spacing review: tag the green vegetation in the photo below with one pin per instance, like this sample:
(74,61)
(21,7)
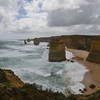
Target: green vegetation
(35,92)
(2,77)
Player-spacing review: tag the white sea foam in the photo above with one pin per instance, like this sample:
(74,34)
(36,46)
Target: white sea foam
(59,72)
(74,73)
(69,55)
(8,53)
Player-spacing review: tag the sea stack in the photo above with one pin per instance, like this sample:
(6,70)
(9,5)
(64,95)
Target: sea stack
(56,50)
(36,41)
(94,55)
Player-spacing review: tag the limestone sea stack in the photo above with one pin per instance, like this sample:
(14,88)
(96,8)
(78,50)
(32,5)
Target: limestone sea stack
(36,41)
(56,50)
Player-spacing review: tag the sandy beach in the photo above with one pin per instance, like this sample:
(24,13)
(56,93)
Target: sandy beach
(93,75)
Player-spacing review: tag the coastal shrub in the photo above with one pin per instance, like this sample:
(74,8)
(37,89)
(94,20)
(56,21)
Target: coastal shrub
(35,92)
(71,97)
(29,88)
(31,92)
(2,77)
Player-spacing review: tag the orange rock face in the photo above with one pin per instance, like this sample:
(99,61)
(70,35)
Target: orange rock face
(7,77)
(56,51)
(80,42)
(94,55)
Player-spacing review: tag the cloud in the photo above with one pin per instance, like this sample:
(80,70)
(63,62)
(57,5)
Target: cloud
(59,16)
(86,13)
(18,15)
(50,5)
(8,11)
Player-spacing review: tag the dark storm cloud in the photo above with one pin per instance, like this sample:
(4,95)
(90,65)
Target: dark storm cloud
(85,14)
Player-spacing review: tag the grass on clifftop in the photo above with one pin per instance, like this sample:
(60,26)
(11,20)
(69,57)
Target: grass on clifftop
(37,93)
(2,77)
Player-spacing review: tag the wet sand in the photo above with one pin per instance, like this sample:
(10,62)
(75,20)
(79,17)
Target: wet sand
(93,75)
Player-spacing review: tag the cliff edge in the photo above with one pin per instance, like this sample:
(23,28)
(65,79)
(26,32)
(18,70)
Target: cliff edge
(94,55)
(12,88)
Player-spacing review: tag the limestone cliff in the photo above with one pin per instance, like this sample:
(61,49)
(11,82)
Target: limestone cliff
(94,55)
(7,77)
(81,42)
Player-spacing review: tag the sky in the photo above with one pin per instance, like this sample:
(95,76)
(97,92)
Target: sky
(68,16)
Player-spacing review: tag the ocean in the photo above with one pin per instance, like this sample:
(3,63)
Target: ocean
(31,64)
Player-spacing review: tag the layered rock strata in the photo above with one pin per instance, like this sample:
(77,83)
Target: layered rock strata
(94,55)
(56,50)
(80,42)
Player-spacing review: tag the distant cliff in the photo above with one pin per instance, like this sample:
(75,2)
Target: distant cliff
(71,41)
(80,42)
(94,55)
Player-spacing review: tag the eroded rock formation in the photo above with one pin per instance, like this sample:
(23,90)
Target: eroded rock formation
(94,55)
(80,42)
(56,50)
(7,77)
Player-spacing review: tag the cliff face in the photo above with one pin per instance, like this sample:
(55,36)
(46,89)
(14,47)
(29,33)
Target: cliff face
(71,41)
(56,51)
(94,55)
(7,77)
(81,42)
(77,42)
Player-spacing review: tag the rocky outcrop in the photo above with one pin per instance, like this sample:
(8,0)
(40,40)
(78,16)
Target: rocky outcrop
(77,42)
(56,50)
(37,41)
(7,77)
(12,88)
(94,55)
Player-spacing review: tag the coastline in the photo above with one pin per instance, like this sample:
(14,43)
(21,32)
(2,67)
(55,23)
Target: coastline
(90,77)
